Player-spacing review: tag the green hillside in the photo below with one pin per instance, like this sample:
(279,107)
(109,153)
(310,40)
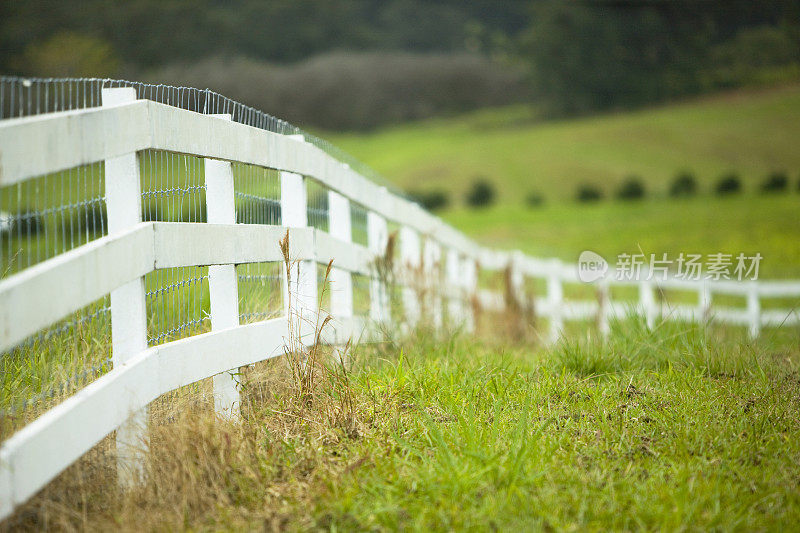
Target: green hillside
(751,133)
(769,225)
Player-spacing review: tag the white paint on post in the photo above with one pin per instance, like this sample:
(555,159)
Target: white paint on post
(647,302)
(377,239)
(753,310)
(303,286)
(341,281)
(222,281)
(431,261)
(7,502)
(453,282)
(517,279)
(603,307)
(555,301)
(410,258)
(128,308)
(704,302)
(469,273)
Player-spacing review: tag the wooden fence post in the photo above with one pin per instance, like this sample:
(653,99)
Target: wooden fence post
(555,300)
(222,280)
(410,258)
(377,239)
(128,307)
(303,286)
(753,310)
(341,281)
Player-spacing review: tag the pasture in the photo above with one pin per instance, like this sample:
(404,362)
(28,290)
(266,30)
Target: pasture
(749,132)
(677,428)
(706,224)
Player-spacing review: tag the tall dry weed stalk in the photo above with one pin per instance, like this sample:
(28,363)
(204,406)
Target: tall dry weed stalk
(320,381)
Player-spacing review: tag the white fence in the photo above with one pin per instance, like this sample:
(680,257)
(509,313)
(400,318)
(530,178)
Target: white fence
(117,133)
(647,303)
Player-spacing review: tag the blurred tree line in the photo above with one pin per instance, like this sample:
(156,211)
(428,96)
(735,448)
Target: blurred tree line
(355,64)
(156,32)
(587,56)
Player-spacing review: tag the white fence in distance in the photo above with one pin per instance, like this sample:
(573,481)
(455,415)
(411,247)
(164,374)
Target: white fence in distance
(41,295)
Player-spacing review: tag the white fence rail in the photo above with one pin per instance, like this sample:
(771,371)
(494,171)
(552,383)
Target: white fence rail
(558,310)
(117,133)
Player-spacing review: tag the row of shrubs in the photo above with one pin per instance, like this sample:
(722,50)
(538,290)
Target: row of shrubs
(683,185)
(92,217)
(482,192)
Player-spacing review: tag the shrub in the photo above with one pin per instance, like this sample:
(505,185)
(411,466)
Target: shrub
(631,189)
(684,184)
(728,184)
(755,52)
(588,193)
(775,182)
(70,54)
(431,200)
(481,194)
(534,199)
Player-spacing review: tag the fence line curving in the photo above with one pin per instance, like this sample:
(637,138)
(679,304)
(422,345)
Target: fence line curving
(150,224)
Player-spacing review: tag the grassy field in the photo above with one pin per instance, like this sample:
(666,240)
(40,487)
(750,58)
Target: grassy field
(677,429)
(766,224)
(751,133)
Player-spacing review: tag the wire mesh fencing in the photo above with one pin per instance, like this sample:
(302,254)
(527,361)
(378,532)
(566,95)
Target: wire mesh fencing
(22,97)
(257,194)
(49,215)
(173,187)
(260,292)
(317,205)
(358,224)
(54,363)
(43,217)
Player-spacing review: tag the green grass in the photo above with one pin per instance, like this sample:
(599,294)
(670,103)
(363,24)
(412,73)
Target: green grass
(751,133)
(666,431)
(680,428)
(746,224)
(674,429)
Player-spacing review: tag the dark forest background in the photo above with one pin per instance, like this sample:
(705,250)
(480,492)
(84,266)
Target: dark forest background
(359,64)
